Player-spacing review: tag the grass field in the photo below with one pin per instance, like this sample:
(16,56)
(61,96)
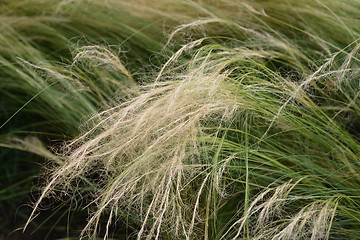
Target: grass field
(180,119)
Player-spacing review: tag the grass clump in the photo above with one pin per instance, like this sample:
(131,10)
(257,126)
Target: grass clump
(248,131)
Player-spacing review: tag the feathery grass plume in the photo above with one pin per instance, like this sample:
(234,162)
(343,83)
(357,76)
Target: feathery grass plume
(144,149)
(31,144)
(270,221)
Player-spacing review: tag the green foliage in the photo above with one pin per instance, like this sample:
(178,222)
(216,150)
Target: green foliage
(249,129)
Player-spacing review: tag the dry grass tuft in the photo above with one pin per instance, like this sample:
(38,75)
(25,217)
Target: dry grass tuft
(146,151)
(269,216)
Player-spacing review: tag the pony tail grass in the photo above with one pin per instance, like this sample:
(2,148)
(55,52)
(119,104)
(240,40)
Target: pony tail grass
(240,135)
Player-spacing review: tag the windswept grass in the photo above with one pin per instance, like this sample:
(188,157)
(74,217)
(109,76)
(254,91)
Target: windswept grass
(37,38)
(53,77)
(250,129)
